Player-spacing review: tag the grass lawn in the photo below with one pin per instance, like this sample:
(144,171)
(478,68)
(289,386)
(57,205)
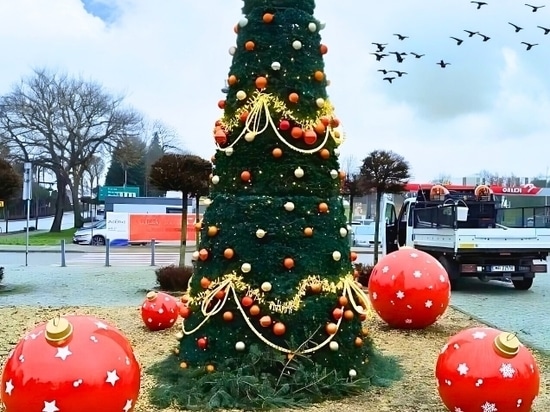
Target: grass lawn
(38,238)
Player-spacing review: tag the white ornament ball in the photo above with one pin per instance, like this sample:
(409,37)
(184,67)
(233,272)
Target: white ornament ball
(229,151)
(195,255)
(207,202)
(320,102)
(232,50)
(266,286)
(322,25)
(336,152)
(312,27)
(289,206)
(249,136)
(352,373)
(240,346)
(334,173)
(297,44)
(334,346)
(299,172)
(246,267)
(260,233)
(276,66)
(343,232)
(336,255)
(243,22)
(215,179)
(241,95)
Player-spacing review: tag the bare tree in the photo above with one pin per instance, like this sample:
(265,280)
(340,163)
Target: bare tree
(442,179)
(383,172)
(60,123)
(95,168)
(128,153)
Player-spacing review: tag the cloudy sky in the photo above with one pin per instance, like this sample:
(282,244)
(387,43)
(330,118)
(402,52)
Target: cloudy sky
(488,110)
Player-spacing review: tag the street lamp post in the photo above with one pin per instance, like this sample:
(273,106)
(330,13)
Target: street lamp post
(27,196)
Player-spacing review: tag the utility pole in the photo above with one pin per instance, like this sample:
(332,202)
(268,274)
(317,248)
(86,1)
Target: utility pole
(27,196)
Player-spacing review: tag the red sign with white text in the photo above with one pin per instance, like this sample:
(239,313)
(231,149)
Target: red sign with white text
(524,190)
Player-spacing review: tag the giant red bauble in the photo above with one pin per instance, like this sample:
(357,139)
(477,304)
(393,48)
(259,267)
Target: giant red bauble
(485,369)
(71,364)
(409,289)
(159,311)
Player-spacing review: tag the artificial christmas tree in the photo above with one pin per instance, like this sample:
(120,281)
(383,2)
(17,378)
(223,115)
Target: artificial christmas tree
(273,296)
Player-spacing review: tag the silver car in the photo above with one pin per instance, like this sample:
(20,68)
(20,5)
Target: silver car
(94,234)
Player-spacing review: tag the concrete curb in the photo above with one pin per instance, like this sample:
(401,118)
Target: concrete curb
(524,340)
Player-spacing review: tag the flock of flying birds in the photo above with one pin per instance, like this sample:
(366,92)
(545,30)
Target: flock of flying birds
(380,53)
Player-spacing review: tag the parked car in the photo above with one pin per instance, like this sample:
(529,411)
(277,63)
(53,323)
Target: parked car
(358,222)
(363,235)
(94,234)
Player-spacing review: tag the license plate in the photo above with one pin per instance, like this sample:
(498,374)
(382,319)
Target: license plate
(505,268)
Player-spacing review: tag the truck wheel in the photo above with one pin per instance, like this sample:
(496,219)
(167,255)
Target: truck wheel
(452,270)
(523,284)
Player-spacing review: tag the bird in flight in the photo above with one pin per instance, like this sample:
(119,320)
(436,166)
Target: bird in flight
(418,56)
(535,8)
(389,79)
(485,38)
(400,36)
(381,46)
(479,4)
(399,73)
(380,56)
(458,41)
(384,71)
(399,56)
(471,33)
(516,27)
(546,31)
(443,64)
(529,45)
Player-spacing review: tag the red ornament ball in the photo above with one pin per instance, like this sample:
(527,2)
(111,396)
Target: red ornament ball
(71,364)
(159,311)
(485,369)
(202,343)
(409,289)
(284,125)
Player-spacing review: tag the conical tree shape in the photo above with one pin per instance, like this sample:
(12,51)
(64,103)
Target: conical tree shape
(273,274)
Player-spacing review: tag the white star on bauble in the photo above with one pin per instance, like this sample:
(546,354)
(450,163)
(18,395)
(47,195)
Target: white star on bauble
(507,370)
(479,335)
(414,255)
(428,304)
(374,295)
(50,407)
(385,269)
(457,409)
(101,325)
(128,405)
(417,274)
(9,387)
(442,278)
(63,352)
(161,311)
(489,407)
(112,377)
(462,369)
(400,294)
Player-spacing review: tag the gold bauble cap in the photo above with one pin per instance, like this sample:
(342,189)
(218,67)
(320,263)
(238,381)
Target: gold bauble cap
(58,329)
(507,344)
(152,295)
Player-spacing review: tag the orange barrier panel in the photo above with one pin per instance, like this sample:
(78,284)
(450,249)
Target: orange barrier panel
(161,227)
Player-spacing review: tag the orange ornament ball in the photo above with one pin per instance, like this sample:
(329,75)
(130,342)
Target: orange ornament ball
(325,120)
(212,231)
(198,226)
(279,329)
(348,314)
(249,45)
(236,28)
(228,316)
(288,263)
(277,153)
(324,153)
(337,313)
(261,82)
(184,312)
(342,174)
(183,365)
(320,128)
(293,97)
(316,288)
(334,122)
(210,368)
(220,137)
(265,321)
(353,256)
(243,116)
(231,80)
(228,253)
(254,310)
(308,232)
(297,132)
(343,301)
(310,137)
(331,328)
(323,49)
(245,176)
(319,75)
(323,207)
(203,254)
(221,104)
(268,17)
(205,282)
(247,301)
(358,342)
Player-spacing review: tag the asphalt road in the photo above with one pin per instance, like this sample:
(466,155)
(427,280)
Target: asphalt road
(35,259)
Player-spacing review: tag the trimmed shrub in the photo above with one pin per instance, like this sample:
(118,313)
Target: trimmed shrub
(364,272)
(174,278)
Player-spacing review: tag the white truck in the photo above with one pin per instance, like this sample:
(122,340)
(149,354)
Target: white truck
(468,231)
